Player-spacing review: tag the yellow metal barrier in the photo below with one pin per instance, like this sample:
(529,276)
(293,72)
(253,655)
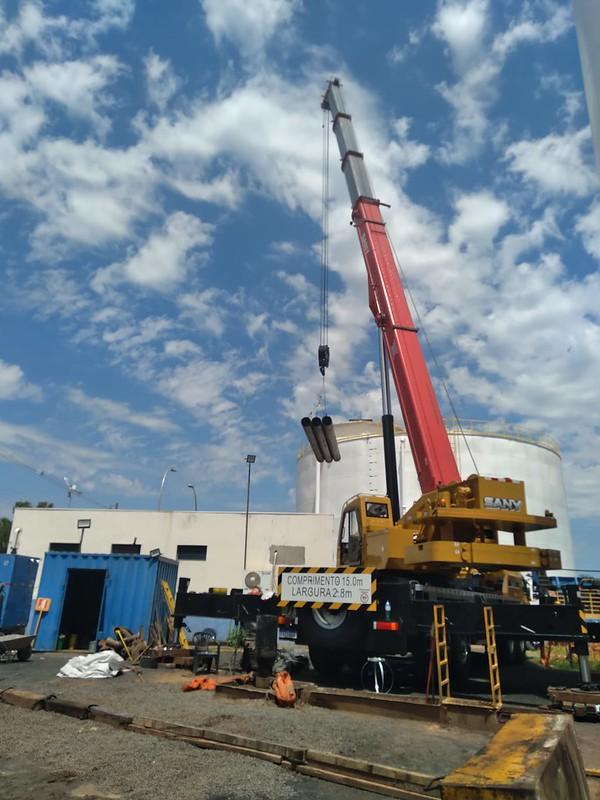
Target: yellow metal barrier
(532,757)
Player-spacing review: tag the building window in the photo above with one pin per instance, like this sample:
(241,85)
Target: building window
(191,552)
(131,549)
(65,547)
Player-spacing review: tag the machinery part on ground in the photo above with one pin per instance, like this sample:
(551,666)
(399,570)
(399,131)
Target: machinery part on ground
(532,757)
(24,654)
(377,675)
(266,644)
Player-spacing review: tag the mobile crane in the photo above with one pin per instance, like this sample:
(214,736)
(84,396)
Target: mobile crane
(378,601)
(445,548)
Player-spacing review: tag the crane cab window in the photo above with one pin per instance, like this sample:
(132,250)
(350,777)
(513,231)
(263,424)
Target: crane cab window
(350,538)
(377,510)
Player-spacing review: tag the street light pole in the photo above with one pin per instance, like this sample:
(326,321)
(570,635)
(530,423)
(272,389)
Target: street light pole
(250,459)
(193,488)
(162,484)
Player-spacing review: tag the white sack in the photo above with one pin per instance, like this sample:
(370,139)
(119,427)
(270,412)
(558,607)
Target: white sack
(106,664)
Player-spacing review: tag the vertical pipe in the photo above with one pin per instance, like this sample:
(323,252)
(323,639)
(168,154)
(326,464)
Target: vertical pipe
(247,510)
(317,487)
(387,426)
(584,669)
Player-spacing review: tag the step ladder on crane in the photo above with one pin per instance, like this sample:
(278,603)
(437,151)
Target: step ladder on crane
(443,662)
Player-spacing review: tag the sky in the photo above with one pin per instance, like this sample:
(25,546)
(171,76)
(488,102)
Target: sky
(160,229)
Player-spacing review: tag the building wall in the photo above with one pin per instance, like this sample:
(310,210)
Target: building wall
(222,533)
(536,461)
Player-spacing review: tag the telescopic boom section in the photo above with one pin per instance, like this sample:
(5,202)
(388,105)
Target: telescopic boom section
(433,456)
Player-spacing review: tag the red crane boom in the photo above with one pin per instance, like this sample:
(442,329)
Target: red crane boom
(429,442)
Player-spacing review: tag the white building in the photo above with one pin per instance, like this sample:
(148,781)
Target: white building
(209,546)
(495,452)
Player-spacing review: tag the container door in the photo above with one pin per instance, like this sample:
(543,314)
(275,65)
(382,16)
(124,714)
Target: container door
(81,608)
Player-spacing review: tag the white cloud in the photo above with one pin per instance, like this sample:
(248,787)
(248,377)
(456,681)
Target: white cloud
(462,25)
(13,385)
(126,485)
(200,386)
(404,152)
(250,26)
(556,163)
(163,260)
(479,217)
(76,85)
(204,310)
(161,81)
(180,348)
(478,59)
(256,323)
(588,227)
(104,408)
(53,35)
(86,194)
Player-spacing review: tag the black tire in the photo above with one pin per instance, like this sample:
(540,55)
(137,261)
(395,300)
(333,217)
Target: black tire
(460,662)
(328,663)
(333,630)
(24,654)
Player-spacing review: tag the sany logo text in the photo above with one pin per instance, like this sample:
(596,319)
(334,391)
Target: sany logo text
(502,503)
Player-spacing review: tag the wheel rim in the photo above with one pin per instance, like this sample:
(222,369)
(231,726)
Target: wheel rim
(329,620)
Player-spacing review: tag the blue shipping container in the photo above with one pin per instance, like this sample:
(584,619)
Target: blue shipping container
(93,593)
(17,577)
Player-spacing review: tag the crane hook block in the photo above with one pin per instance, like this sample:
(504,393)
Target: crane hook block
(323,358)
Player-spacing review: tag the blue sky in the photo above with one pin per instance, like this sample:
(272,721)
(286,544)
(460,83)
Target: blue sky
(160,223)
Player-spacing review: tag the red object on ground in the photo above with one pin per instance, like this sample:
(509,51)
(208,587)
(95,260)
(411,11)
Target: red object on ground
(283,686)
(209,683)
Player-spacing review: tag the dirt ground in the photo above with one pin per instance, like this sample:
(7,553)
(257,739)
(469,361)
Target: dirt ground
(52,756)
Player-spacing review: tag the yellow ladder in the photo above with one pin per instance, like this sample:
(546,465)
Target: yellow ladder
(170,600)
(492,654)
(441,652)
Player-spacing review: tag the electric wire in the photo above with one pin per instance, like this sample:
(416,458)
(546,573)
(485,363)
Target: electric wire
(7,455)
(324,332)
(422,328)
(324,300)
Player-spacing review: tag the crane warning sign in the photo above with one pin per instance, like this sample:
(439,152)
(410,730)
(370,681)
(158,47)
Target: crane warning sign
(326,586)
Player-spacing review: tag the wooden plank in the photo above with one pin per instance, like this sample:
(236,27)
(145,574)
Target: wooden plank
(368,785)
(367,768)
(168,727)
(69,708)
(107,717)
(23,699)
(241,692)
(206,744)
(293,754)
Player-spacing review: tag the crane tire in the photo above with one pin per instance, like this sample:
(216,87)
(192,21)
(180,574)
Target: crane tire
(328,663)
(333,630)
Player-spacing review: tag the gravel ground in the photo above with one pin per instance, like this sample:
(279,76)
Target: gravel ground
(53,757)
(414,745)
(50,756)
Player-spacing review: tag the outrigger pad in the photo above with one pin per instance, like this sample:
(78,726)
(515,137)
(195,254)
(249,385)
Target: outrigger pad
(532,757)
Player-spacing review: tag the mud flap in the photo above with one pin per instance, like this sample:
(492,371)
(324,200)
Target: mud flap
(532,757)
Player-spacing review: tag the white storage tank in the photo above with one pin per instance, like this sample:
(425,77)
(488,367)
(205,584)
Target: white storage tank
(498,452)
